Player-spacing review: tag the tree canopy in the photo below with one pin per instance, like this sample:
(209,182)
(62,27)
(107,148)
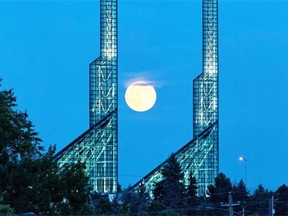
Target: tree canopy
(281,197)
(170,191)
(30,178)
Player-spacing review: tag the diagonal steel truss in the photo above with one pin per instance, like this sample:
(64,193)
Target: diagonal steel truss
(95,148)
(196,157)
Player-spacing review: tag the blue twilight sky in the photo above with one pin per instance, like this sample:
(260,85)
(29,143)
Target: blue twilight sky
(46,47)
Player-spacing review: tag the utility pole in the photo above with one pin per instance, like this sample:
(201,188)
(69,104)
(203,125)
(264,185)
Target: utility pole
(271,206)
(230,204)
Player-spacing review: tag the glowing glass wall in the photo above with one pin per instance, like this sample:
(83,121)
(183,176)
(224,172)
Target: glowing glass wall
(98,146)
(201,155)
(104,99)
(205,95)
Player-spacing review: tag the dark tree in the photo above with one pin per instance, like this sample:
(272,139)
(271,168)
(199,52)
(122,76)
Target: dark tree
(128,197)
(170,191)
(219,192)
(17,136)
(240,195)
(191,194)
(281,200)
(159,209)
(5,209)
(135,202)
(20,151)
(159,191)
(240,191)
(76,187)
(30,178)
(258,202)
(192,190)
(104,207)
(142,199)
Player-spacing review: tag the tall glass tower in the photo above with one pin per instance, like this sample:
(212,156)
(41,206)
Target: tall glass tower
(200,156)
(98,146)
(205,97)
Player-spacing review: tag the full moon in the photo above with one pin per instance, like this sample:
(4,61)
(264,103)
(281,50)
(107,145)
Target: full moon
(140,96)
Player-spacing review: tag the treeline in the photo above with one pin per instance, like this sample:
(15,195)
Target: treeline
(171,197)
(30,181)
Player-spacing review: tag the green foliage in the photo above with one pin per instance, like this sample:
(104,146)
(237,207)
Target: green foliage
(219,191)
(30,178)
(135,202)
(258,201)
(20,152)
(157,208)
(240,191)
(281,200)
(192,190)
(170,191)
(142,199)
(17,136)
(191,194)
(104,206)
(5,209)
(240,195)
(75,186)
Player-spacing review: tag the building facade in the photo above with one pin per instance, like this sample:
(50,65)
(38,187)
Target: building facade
(98,146)
(200,156)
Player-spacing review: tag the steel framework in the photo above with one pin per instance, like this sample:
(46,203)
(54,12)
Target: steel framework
(201,155)
(98,146)
(195,157)
(205,96)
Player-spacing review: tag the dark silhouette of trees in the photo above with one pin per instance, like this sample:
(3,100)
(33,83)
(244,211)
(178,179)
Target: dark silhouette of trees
(5,209)
(103,207)
(191,191)
(192,200)
(281,200)
(170,191)
(19,153)
(30,178)
(219,191)
(142,199)
(240,191)
(135,202)
(240,196)
(258,201)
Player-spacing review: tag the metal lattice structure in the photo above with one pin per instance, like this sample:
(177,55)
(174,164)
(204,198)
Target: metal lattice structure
(98,146)
(194,157)
(205,96)
(201,155)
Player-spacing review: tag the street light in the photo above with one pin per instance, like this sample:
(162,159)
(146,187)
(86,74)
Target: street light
(241,158)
